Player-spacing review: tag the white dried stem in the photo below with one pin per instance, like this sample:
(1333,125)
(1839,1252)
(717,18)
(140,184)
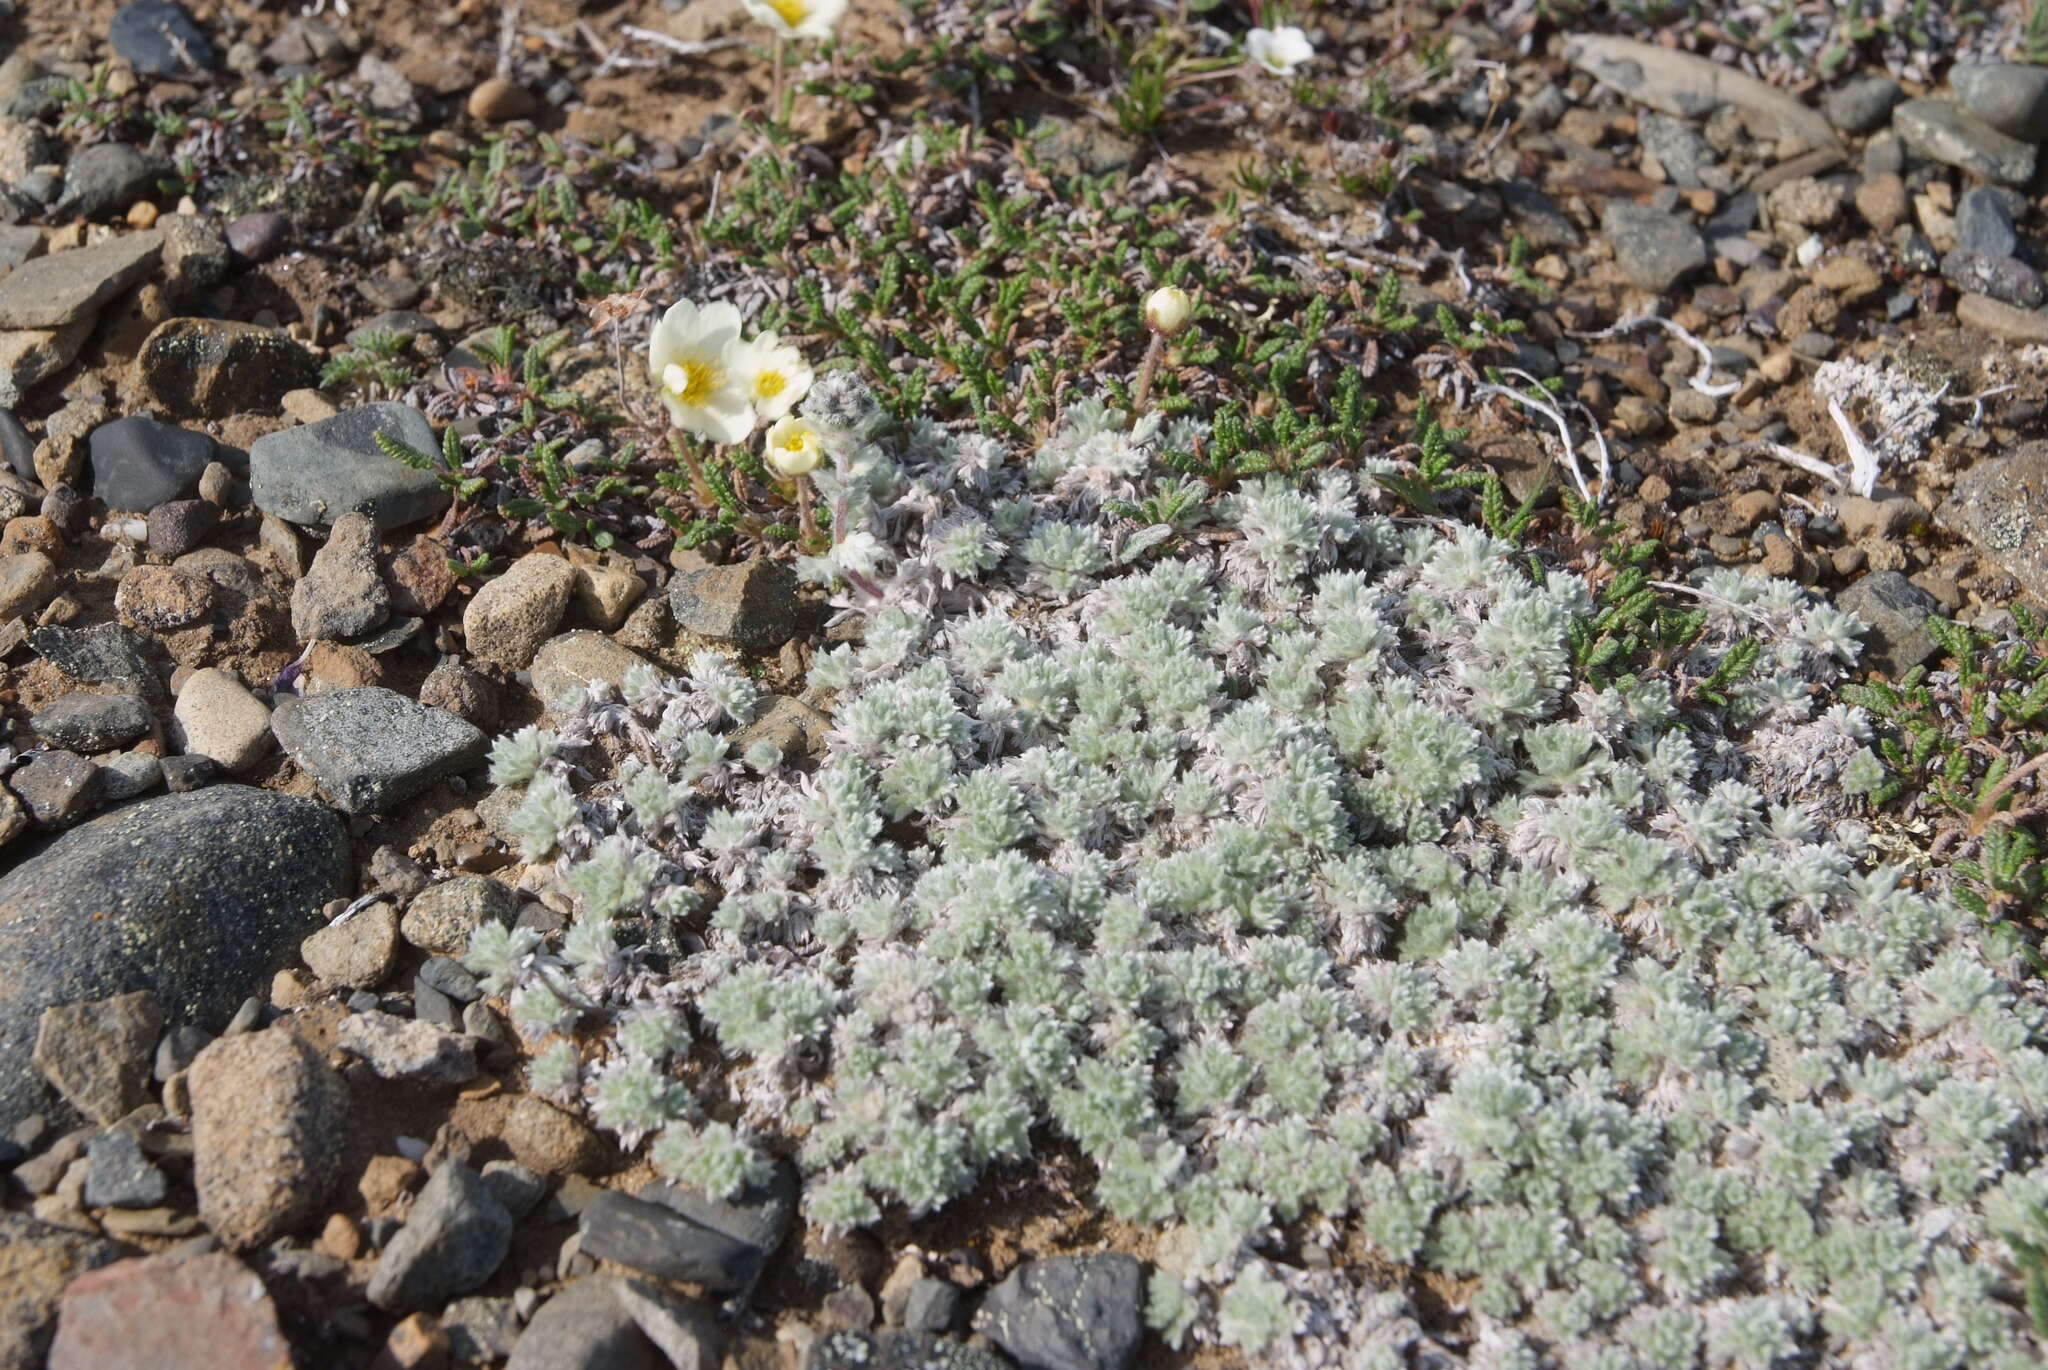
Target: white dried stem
(1700,380)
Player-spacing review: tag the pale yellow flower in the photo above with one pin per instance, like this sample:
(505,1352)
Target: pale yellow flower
(798,18)
(1167,310)
(691,356)
(794,447)
(771,374)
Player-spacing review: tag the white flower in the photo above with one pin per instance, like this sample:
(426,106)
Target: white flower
(798,18)
(1280,50)
(1167,310)
(794,447)
(691,356)
(771,373)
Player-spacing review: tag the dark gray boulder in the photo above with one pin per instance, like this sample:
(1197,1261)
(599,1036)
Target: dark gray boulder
(195,897)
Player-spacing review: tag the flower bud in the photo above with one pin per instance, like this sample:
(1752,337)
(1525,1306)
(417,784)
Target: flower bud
(794,447)
(1167,310)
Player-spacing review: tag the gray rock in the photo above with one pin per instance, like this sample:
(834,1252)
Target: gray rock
(178,1049)
(17,446)
(1068,1312)
(103,180)
(931,1306)
(119,1175)
(585,1327)
(97,1054)
(2011,97)
(139,463)
(1947,133)
(751,604)
(441,917)
(370,748)
(194,897)
(450,977)
(480,1329)
(1984,223)
(759,1218)
(572,660)
(66,288)
(1862,104)
(404,323)
(1686,157)
(851,1350)
(656,1240)
(59,788)
(516,1187)
(36,1261)
(128,776)
(687,1332)
(2001,506)
(1895,611)
(358,952)
(104,654)
(406,1049)
(269,1130)
(86,722)
(342,596)
(160,38)
(2007,279)
(1655,249)
(316,473)
(431,1006)
(456,1237)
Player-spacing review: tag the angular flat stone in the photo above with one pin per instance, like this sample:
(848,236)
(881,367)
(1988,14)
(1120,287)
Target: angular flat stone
(656,1240)
(89,723)
(30,356)
(1948,133)
(572,660)
(405,1049)
(2001,506)
(139,463)
(104,654)
(369,748)
(194,897)
(98,1054)
(1068,1312)
(169,1313)
(585,1327)
(316,473)
(456,1236)
(751,604)
(56,291)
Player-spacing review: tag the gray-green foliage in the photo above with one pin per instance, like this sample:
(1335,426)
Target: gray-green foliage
(1290,878)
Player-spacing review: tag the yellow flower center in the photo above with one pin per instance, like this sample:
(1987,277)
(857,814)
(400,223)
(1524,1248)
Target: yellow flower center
(769,384)
(693,380)
(793,12)
(796,440)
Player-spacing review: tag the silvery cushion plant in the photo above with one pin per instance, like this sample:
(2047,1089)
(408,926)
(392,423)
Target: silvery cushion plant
(1284,871)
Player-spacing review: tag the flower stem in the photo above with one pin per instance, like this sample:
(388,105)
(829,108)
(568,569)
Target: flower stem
(806,516)
(775,95)
(1153,352)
